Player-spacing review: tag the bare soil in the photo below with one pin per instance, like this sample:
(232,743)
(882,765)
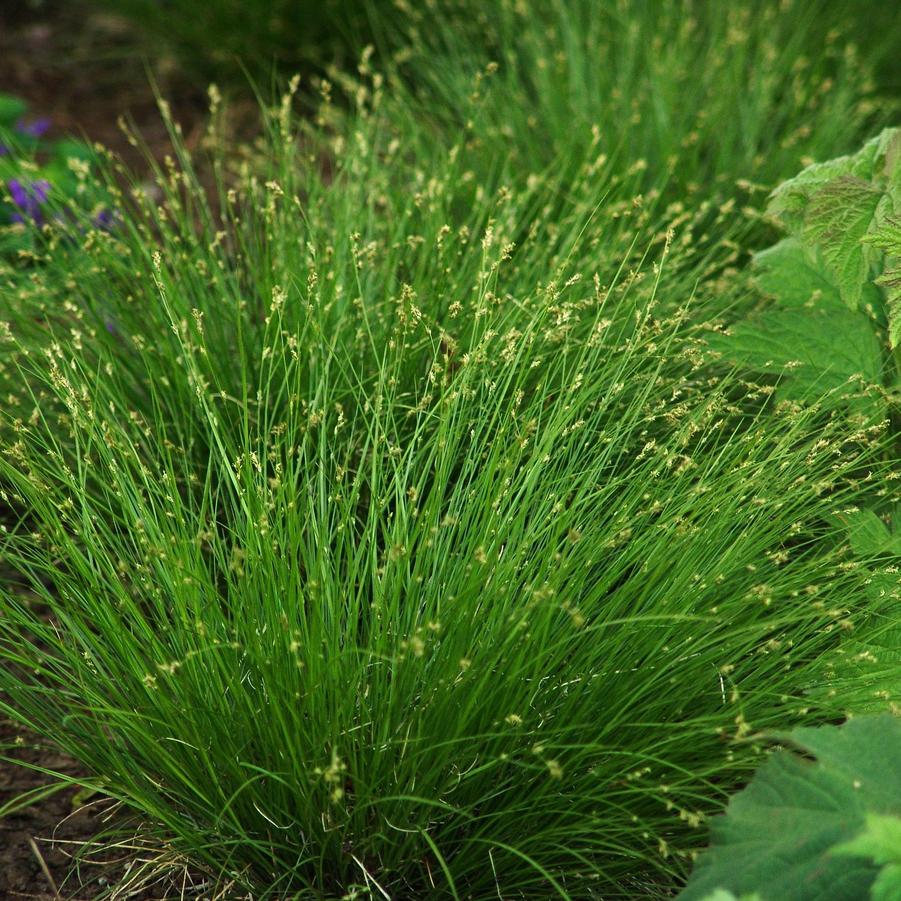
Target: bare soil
(40,845)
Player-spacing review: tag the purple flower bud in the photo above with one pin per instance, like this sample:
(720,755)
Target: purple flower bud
(40,189)
(4,150)
(34,128)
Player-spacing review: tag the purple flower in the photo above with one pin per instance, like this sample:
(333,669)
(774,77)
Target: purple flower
(28,198)
(104,220)
(34,128)
(4,150)
(17,192)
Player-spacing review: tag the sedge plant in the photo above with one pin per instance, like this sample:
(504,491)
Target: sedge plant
(704,94)
(699,93)
(374,535)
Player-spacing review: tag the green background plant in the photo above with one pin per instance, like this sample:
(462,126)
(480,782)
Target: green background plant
(808,829)
(833,310)
(60,161)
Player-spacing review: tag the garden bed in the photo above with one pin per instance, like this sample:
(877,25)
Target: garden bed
(82,69)
(40,839)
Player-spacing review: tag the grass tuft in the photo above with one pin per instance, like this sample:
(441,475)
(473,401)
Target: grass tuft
(379,535)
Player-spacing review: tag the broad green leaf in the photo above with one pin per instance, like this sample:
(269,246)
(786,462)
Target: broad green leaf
(794,274)
(830,320)
(789,201)
(871,538)
(868,534)
(886,583)
(723,895)
(779,836)
(887,159)
(891,159)
(887,238)
(891,281)
(880,842)
(815,350)
(838,217)
(11,109)
(887,886)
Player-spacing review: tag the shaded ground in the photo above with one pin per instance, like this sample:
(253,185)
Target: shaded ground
(20,871)
(58,842)
(82,69)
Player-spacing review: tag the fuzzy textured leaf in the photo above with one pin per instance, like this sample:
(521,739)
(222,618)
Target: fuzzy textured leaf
(816,350)
(880,842)
(868,534)
(780,836)
(794,274)
(878,157)
(891,281)
(887,238)
(839,216)
(887,886)
(723,895)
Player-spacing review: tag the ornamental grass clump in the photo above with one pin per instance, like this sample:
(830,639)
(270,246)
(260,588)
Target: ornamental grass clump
(707,94)
(376,536)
